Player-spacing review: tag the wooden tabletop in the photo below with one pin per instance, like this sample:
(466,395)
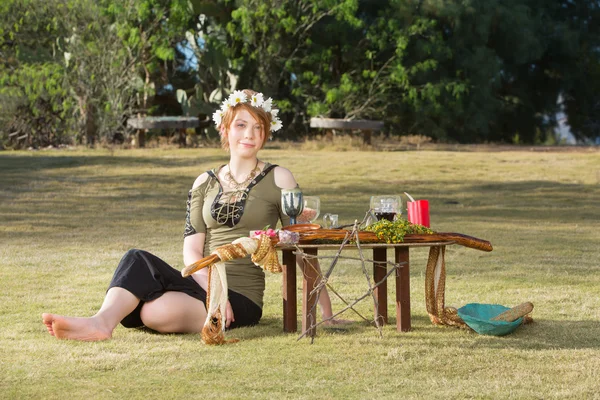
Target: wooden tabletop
(335,246)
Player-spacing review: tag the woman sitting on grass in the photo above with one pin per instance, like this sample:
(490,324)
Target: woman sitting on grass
(223,205)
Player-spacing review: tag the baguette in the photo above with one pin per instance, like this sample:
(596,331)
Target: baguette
(515,313)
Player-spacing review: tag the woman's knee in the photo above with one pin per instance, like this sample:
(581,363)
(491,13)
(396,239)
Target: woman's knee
(155,315)
(133,253)
(174,312)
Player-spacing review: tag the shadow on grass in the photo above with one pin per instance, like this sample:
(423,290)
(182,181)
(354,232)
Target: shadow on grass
(35,163)
(554,334)
(538,201)
(267,327)
(542,334)
(273,327)
(539,335)
(26,183)
(24,173)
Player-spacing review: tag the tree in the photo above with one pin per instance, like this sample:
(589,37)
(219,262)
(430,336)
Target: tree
(100,71)
(35,109)
(468,71)
(491,71)
(143,35)
(267,41)
(581,91)
(96,51)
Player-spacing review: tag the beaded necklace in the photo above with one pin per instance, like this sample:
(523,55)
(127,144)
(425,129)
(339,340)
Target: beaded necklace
(241,185)
(227,207)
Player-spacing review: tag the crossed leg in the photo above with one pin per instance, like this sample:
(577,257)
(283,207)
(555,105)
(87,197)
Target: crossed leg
(117,304)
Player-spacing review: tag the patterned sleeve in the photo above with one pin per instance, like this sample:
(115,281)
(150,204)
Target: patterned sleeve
(189,229)
(194,222)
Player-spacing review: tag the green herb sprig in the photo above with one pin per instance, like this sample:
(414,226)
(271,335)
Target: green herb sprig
(394,231)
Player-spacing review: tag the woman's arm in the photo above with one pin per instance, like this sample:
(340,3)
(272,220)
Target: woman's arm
(193,250)
(284,178)
(193,245)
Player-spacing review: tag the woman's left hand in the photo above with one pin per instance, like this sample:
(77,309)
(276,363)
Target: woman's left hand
(229,317)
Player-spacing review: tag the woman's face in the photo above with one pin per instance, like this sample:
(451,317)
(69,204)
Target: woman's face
(245,135)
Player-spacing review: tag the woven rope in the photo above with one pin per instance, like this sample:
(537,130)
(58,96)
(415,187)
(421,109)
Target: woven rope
(435,286)
(266,255)
(263,255)
(213,331)
(230,251)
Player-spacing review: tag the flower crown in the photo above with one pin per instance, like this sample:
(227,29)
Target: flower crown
(256,100)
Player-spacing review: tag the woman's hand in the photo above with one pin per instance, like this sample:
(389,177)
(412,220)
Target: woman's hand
(229,317)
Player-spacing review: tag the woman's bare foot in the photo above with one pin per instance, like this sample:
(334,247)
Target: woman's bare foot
(334,321)
(85,329)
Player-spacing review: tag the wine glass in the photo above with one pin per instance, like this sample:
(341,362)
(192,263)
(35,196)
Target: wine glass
(292,203)
(312,208)
(386,207)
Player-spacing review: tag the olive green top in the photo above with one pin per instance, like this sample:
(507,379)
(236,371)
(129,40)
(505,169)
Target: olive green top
(261,208)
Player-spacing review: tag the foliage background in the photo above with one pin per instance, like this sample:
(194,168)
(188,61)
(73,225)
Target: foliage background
(457,71)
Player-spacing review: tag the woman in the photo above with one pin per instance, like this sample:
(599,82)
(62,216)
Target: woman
(224,204)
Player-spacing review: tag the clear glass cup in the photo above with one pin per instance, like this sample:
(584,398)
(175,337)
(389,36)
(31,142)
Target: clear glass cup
(386,207)
(330,221)
(311,210)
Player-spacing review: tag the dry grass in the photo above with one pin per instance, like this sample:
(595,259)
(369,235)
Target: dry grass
(68,216)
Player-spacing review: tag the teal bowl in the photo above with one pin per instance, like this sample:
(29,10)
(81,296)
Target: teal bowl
(479,318)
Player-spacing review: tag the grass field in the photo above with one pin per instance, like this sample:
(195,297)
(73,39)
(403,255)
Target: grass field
(66,218)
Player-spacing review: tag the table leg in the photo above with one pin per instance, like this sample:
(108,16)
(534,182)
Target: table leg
(290,321)
(310,277)
(403,290)
(379,271)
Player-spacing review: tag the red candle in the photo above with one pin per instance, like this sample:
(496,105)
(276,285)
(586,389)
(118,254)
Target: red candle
(418,212)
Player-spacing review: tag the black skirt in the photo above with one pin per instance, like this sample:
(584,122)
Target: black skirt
(148,277)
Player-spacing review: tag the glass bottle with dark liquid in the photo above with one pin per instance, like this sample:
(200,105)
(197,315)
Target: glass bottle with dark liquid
(385,207)
(385,215)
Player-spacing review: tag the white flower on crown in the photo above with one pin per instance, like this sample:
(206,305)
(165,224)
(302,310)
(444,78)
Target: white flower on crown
(217,117)
(267,104)
(225,106)
(276,124)
(237,97)
(256,100)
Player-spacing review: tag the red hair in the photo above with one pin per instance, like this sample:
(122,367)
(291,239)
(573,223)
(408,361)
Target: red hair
(260,115)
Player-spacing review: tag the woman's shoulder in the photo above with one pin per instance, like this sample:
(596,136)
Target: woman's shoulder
(201,179)
(284,178)
(204,177)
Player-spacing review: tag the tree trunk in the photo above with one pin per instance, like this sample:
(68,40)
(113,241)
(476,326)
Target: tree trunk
(90,126)
(87,121)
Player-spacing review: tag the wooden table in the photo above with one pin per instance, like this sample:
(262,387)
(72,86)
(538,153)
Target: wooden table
(364,125)
(181,123)
(311,278)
